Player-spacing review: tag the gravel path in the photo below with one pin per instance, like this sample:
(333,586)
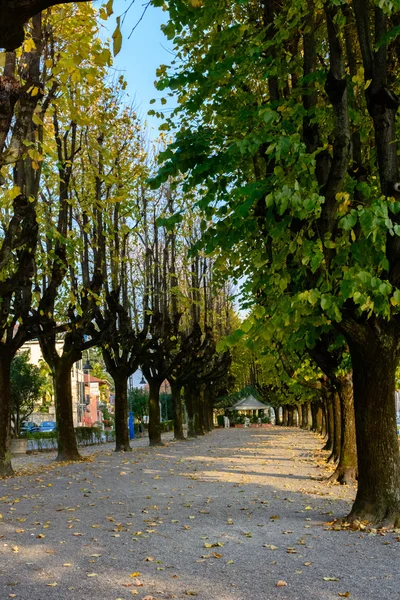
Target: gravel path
(223,517)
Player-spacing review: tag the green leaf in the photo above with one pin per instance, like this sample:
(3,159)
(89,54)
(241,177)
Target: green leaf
(109,7)
(117,37)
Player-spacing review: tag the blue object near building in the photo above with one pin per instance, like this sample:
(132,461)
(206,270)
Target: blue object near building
(131,424)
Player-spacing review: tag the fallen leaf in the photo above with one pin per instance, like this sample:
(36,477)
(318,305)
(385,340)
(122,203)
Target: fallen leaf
(135,574)
(270,546)
(330,579)
(281,583)
(344,594)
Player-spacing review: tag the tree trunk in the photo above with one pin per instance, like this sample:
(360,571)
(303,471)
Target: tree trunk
(121,414)
(309,415)
(346,470)
(319,419)
(330,422)
(5,414)
(314,420)
(300,413)
(154,414)
(66,439)
(337,429)
(209,425)
(277,416)
(285,416)
(374,356)
(176,390)
(290,416)
(324,426)
(197,412)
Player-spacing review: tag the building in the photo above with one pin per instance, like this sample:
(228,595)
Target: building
(97,394)
(77,385)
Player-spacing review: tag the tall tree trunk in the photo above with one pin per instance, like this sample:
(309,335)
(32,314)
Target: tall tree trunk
(337,429)
(374,354)
(330,421)
(5,413)
(290,416)
(209,425)
(176,390)
(300,414)
(314,420)
(309,416)
(66,439)
(154,413)
(346,470)
(285,416)
(319,419)
(277,416)
(197,412)
(121,413)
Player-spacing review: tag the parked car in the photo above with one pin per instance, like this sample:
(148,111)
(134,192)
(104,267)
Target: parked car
(29,427)
(47,426)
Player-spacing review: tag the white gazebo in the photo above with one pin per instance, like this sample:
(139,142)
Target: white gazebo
(249,404)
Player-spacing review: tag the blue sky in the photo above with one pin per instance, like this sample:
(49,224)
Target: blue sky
(142,54)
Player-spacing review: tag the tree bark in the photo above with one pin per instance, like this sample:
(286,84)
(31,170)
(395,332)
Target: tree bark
(66,439)
(208,404)
(285,415)
(374,353)
(176,390)
(5,414)
(314,424)
(154,414)
(337,428)
(121,414)
(330,422)
(346,470)
(319,419)
(197,412)
(277,416)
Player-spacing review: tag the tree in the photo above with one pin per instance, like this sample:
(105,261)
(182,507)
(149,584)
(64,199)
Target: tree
(294,152)
(26,389)
(138,400)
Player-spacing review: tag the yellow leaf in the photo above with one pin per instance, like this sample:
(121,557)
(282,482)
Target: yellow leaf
(135,574)
(281,583)
(51,584)
(29,45)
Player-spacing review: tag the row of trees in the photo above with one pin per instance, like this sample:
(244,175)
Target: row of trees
(86,255)
(293,152)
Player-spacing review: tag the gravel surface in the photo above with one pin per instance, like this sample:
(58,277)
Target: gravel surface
(222,517)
